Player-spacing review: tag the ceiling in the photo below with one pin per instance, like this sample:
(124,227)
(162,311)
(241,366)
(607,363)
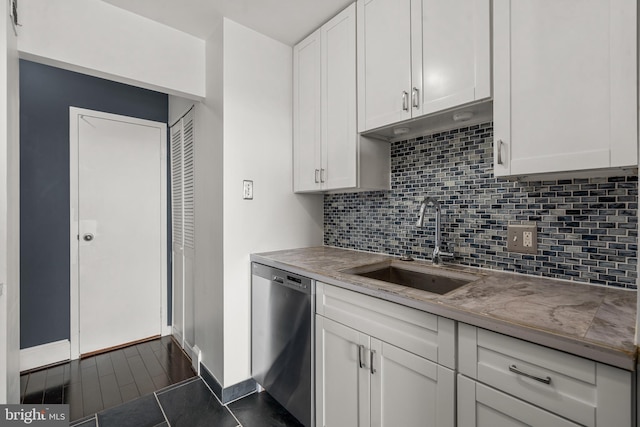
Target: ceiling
(288,21)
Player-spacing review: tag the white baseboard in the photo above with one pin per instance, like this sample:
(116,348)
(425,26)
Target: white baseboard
(177,335)
(45,354)
(196,359)
(166,330)
(194,354)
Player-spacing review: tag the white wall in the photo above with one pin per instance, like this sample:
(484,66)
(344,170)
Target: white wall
(243,131)
(99,39)
(177,107)
(209,315)
(9,214)
(258,113)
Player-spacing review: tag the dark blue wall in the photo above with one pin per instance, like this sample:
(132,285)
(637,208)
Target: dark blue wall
(46,93)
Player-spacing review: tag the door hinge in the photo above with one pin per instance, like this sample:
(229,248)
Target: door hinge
(1,289)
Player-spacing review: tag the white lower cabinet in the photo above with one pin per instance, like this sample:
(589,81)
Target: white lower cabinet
(363,381)
(504,381)
(340,380)
(407,390)
(383,364)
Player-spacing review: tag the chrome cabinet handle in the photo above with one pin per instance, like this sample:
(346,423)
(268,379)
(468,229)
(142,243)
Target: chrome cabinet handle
(317,179)
(515,370)
(87,237)
(405,100)
(373,371)
(360,351)
(322,178)
(500,152)
(414,97)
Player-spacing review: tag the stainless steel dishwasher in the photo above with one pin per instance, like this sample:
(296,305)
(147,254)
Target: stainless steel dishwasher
(282,344)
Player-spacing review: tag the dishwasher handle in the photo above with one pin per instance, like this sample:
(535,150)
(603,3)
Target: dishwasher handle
(278,279)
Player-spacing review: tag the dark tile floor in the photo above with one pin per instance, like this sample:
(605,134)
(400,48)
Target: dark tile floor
(149,384)
(104,381)
(192,404)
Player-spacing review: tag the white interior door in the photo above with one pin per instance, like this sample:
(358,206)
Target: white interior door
(121,229)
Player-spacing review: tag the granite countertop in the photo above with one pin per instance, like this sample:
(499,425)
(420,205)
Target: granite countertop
(595,322)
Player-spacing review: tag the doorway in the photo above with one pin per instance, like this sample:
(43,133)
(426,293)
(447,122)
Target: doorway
(118,230)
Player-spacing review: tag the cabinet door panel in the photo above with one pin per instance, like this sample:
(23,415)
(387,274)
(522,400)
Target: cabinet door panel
(306,114)
(482,406)
(565,100)
(384,62)
(342,386)
(339,130)
(451,53)
(408,390)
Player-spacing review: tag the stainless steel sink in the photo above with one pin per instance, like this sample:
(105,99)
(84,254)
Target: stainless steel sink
(437,280)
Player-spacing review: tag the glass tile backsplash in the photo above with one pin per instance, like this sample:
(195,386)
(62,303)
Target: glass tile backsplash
(587,228)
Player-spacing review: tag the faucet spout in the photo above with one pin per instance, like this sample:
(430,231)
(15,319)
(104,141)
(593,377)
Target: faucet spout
(428,201)
(437,251)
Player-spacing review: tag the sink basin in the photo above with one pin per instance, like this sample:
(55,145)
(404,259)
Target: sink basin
(431,279)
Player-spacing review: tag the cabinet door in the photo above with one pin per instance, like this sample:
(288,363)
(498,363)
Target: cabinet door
(565,86)
(342,378)
(407,390)
(384,62)
(339,129)
(451,51)
(482,406)
(306,114)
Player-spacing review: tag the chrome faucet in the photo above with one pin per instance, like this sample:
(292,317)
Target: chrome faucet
(438,253)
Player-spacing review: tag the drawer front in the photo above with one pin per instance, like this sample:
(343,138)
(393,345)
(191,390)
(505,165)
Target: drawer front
(482,406)
(568,385)
(424,334)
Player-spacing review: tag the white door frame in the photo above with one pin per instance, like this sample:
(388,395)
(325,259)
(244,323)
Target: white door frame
(75,115)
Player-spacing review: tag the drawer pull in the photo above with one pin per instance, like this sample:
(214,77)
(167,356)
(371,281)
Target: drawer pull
(515,370)
(373,370)
(360,350)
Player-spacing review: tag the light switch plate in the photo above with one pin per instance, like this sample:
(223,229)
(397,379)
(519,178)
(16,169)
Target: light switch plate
(247,190)
(522,239)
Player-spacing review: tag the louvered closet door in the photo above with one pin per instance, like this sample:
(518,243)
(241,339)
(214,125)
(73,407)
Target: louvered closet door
(177,229)
(183,210)
(188,201)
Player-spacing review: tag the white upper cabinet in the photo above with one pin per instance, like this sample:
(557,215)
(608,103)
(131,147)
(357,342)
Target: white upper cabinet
(306,114)
(451,57)
(329,155)
(338,101)
(384,62)
(565,86)
(418,57)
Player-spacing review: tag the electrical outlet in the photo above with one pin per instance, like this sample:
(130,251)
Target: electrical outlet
(247,190)
(522,239)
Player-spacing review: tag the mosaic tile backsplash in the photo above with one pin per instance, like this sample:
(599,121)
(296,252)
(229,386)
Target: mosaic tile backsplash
(587,228)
